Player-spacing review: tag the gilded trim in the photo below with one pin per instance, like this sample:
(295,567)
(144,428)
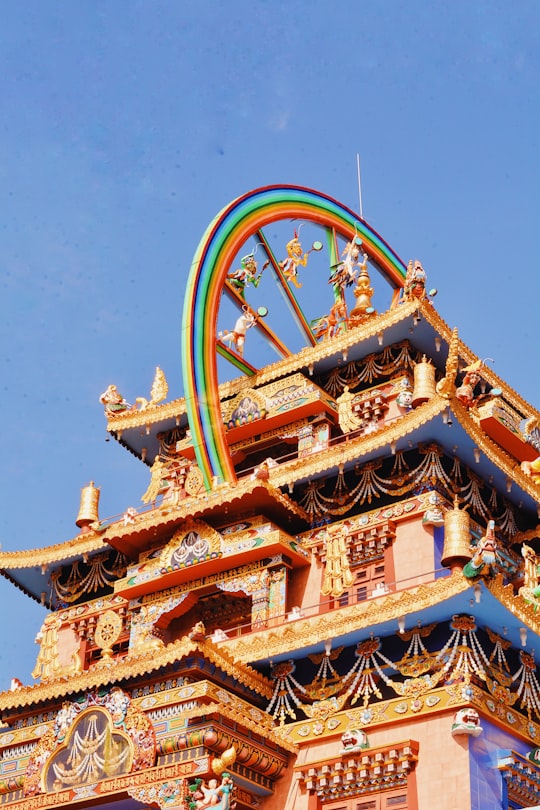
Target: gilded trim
(60,552)
(281,368)
(114,671)
(354,449)
(314,630)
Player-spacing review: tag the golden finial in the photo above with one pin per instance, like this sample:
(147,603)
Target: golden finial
(227,758)
(363,293)
(160,387)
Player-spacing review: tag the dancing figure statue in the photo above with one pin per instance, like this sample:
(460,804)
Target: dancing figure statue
(289,266)
(346,272)
(246,274)
(237,337)
(330,325)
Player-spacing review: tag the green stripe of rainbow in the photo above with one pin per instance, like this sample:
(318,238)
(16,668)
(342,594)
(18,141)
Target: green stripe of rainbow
(223,238)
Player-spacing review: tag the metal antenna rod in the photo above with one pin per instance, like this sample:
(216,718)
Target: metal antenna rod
(359,184)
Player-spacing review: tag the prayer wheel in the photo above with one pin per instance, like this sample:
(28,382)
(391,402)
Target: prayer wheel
(424,382)
(457,538)
(88,509)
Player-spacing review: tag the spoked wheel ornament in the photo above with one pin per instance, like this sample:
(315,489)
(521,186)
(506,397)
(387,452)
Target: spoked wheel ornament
(280,268)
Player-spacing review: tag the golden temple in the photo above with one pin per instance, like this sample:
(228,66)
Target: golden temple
(328,596)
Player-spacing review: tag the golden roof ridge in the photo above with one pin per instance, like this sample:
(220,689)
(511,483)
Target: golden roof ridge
(280,368)
(490,376)
(494,452)
(131,667)
(29,558)
(526,612)
(354,449)
(322,627)
(199,504)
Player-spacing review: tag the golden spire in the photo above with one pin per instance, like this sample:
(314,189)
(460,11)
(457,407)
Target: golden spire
(363,293)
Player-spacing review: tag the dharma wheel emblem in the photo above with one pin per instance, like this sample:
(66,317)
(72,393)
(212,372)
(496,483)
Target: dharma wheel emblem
(108,629)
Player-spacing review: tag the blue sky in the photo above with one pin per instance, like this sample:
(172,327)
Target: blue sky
(127,126)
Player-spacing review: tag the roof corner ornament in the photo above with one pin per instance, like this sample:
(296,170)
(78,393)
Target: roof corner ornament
(113,402)
(486,559)
(160,389)
(447,386)
(414,288)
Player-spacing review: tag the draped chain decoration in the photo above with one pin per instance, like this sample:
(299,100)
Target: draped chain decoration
(471,494)
(461,659)
(366,484)
(374,366)
(364,683)
(284,696)
(528,687)
(462,653)
(100,573)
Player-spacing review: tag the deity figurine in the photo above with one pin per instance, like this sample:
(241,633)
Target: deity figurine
(113,401)
(212,795)
(465,392)
(415,282)
(289,266)
(159,482)
(345,273)
(332,324)
(484,561)
(129,516)
(262,471)
(237,337)
(246,274)
(348,420)
(530,570)
(207,796)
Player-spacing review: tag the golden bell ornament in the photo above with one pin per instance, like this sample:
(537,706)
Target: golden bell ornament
(424,382)
(88,509)
(457,538)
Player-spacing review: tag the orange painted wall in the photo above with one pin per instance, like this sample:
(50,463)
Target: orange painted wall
(413,550)
(441,775)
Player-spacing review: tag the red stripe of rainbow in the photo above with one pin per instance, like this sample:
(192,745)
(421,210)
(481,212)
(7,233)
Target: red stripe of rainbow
(223,238)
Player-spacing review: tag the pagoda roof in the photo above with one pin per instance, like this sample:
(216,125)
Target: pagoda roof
(426,426)
(418,322)
(227,503)
(29,570)
(491,603)
(118,671)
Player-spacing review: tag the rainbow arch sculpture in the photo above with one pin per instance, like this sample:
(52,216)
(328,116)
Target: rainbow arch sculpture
(217,249)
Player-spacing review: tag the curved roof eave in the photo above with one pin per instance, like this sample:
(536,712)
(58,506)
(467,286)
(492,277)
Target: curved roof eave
(436,601)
